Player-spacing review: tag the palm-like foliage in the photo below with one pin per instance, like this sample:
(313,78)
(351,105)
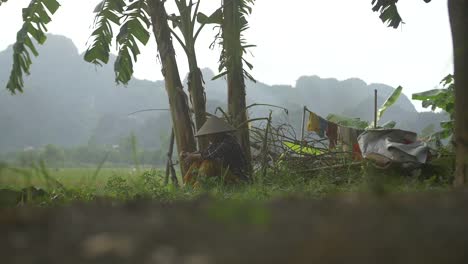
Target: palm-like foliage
(229,35)
(389,12)
(107,12)
(35,18)
(134,25)
(131,16)
(131,30)
(228,60)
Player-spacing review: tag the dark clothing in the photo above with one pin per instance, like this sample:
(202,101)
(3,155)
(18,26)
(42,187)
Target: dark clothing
(230,154)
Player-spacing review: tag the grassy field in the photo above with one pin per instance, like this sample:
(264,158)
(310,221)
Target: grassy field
(78,184)
(69,177)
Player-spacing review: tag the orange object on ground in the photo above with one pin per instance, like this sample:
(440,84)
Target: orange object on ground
(208,168)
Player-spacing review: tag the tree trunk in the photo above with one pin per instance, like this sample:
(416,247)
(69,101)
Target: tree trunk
(235,78)
(178,101)
(459,25)
(195,78)
(197,94)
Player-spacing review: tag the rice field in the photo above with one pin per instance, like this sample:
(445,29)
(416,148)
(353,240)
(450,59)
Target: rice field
(74,178)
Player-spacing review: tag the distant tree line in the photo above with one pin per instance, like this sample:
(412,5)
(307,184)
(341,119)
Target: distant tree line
(126,153)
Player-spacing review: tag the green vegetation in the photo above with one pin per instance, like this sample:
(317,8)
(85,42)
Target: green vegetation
(35,18)
(73,178)
(68,185)
(443,99)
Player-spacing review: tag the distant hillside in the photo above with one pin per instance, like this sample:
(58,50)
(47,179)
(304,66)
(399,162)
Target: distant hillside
(352,97)
(70,102)
(65,98)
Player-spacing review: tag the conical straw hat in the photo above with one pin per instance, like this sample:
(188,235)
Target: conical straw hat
(214,125)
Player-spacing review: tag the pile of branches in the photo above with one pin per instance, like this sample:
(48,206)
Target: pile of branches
(278,145)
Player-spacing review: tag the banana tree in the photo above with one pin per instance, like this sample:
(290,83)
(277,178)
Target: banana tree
(186,22)
(178,99)
(134,19)
(232,20)
(391,100)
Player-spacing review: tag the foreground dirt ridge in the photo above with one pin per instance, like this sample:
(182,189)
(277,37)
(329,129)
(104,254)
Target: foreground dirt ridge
(421,228)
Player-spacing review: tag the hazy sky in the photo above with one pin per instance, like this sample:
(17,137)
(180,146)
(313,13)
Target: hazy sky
(328,38)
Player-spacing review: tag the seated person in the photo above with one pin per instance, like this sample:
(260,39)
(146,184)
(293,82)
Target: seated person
(223,157)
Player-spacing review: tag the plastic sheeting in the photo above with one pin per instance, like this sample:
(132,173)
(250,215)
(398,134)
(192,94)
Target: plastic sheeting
(393,145)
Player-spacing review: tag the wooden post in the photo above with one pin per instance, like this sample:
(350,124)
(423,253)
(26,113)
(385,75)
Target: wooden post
(303,123)
(174,180)
(303,127)
(169,165)
(375,108)
(265,148)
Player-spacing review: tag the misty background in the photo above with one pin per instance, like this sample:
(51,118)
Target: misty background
(75,111)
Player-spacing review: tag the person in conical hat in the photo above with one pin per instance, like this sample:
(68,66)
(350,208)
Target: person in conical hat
(223,157)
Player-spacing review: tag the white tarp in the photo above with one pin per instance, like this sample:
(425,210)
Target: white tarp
(393,145)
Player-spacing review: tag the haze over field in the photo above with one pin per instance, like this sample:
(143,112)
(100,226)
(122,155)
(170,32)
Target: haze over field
(77,104)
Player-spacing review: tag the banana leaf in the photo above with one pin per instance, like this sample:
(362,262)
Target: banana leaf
(215,18)
(428,95)
(389,125)
(389,102)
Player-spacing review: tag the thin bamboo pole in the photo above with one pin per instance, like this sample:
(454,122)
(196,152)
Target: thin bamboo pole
(169,165)
(303,122)
(375,108)
(303,126)
(265,148)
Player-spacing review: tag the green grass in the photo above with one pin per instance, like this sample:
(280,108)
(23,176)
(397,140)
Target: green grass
(84,184)
(69,177)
